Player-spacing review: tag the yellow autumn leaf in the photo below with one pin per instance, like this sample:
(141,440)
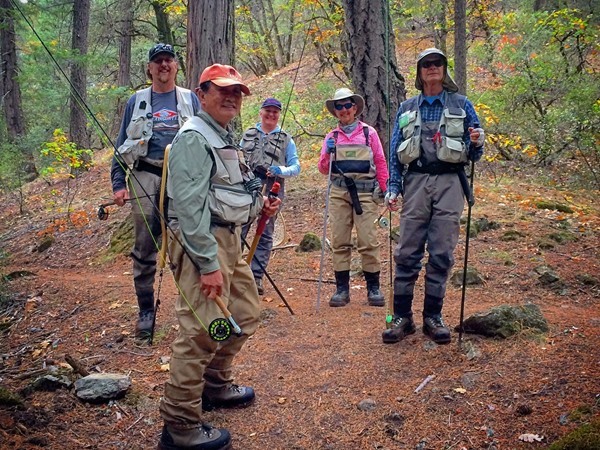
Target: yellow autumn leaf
(460,390)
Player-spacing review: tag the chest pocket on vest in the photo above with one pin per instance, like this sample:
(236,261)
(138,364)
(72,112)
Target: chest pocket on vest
(452,148)
(135,146)
(410,148)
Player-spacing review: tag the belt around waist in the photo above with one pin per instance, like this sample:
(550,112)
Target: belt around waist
(361,186)
(146,167)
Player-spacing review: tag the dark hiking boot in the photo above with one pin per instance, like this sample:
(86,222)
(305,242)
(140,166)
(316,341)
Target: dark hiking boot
(401,327)
(200,437)
(435,328)
(259,286)
(374,295)
(233,396)
(143,328)
(341,297)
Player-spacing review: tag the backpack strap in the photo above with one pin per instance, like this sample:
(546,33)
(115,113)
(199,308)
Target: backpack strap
(366,133)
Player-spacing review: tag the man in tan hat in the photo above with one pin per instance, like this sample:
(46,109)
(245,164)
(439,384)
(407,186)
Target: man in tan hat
(358,176)
(211,197)
(435,135)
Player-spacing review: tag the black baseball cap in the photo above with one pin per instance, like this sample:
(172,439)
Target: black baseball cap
(161,48)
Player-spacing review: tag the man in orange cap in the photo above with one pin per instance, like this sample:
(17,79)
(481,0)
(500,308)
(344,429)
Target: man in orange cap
(212,194)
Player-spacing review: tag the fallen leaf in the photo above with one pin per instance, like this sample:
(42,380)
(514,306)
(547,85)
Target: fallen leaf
(531,438)
(165,368)
(281,400)
(460,390)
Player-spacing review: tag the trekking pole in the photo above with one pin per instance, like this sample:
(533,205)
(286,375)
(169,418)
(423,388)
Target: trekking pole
(325,216)
(264,270)
(470,203)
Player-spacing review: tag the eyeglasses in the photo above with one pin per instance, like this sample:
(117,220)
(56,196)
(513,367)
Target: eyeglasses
(428,64)
(348,105)
(161,59)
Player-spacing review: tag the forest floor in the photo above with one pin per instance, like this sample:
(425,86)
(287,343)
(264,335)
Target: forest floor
(311,369)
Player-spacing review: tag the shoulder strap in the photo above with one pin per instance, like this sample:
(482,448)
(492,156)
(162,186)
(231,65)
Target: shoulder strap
(366,133)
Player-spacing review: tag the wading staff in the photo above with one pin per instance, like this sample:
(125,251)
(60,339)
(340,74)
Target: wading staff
(470,203)
(260,265)
(325,216)
(262,223)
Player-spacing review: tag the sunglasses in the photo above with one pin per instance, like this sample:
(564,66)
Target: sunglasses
(348,105)
(436,63)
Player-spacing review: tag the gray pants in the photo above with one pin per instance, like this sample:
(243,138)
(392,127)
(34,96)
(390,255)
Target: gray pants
(144,188)
(430,215)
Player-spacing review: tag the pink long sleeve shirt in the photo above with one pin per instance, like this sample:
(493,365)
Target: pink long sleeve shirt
(358,137)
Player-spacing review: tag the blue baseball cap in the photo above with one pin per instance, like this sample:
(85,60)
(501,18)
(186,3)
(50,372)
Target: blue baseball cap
(271,102)
(161,48)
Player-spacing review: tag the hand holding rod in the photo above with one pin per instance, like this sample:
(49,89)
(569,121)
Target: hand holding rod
(262,223)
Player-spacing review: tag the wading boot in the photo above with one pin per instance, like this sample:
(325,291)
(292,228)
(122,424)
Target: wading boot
(259,286)
(435,328)
(233,396)
(374,294)
(143,327)
(400,328)
(342,293)
(194,437)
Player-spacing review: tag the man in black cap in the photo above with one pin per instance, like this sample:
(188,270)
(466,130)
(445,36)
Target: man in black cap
(271,154)
(152,118)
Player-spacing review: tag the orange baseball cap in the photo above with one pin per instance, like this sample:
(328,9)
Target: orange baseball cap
(223,76)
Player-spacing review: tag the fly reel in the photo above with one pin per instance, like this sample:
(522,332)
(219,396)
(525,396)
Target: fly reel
(219,329)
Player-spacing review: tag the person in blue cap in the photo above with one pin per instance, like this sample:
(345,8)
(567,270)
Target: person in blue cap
(272,155)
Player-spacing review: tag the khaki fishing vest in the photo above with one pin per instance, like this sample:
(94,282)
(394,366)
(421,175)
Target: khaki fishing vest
(228,200)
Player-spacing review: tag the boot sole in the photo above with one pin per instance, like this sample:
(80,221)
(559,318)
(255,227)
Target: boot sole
(172,447)
(426,332)
(207,405)
(393,341)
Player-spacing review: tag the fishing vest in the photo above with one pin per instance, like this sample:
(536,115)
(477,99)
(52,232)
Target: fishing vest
(139,130)
(354,161)
(228,200)
(262,150)
(433,147)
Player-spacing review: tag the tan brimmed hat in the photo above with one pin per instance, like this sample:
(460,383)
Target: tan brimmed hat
(448,82)
(342,94)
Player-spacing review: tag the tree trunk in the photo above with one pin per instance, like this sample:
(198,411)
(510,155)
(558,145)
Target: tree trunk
(460,45)
(373,66)
(10,89)
(79,44)
(440,27)
(124,69)
(165,34)
(210,36)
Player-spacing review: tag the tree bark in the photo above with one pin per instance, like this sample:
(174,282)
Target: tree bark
(210,36)
(165,34)
(10,90)
(79,45)
(460,45)
(124,70)
(373,65)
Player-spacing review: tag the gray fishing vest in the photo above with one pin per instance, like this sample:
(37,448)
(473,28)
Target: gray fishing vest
(262,150)
(423,147)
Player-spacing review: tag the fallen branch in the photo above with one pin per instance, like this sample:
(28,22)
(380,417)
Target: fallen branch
(279,247)
(77,366)
(424,383)
(316,280)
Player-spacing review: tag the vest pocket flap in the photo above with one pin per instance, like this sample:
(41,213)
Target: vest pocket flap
(453,144)
(407,123)
(230,205)
(409,150)
(139,127)
(452,151)
(228,154)
(455,113)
